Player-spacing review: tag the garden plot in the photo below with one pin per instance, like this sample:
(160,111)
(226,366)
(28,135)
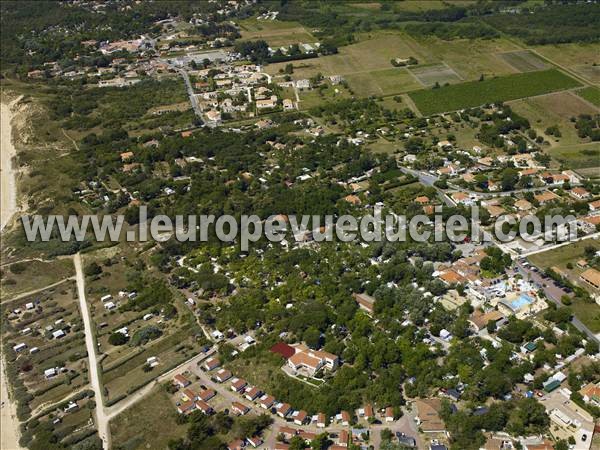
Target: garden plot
(436,73)
(524,61)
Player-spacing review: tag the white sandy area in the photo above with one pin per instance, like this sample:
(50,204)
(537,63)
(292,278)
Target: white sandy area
(9,436)
(8,173)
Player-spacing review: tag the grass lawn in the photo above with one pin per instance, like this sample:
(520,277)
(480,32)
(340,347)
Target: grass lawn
(150,423)
(591,94)
(384,146)
(316,97)
(588,313)
(563,255)
(475,93)
(581,156)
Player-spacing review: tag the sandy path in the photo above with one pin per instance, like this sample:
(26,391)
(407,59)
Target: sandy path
(94,372)
(8,188)
(9,437)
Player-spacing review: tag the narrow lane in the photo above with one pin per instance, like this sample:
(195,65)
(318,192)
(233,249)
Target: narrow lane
(90,344)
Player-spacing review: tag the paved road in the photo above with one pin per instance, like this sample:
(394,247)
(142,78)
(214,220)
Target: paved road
(90,344)
(428,179)
(116,409)
(190,91)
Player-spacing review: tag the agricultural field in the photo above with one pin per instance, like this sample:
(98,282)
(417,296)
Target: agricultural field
(591,94)
(524,61)
(469,58)
(554,109)
(28,276)
(475,93)
(429,75)
(276,33)
(583,59)
(382,83)
(372,53)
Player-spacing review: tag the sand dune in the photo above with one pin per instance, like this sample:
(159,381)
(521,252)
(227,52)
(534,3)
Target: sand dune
(8,173)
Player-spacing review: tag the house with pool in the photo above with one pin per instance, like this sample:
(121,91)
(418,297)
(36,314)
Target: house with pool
(521,304)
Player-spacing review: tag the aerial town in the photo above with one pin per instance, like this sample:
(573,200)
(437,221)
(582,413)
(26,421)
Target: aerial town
(430,110)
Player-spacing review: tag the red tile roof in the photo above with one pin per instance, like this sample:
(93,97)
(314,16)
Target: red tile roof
(283,349)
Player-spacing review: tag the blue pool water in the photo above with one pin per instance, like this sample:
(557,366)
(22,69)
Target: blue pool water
(520,302)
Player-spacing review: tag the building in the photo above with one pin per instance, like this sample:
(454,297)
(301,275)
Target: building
(591,277)
(546,197)
(321,420)
(428,416)
(187,395)
(591,394)
(311,361)
(523,205)
(266,401)
(254,441)
(479,319)
(283,409)
(204,407)
(238,444)
(252,393)
(223,375)
(206,394)
(267,103)
(389,414)
(288,104)
(237,384)
(462,198)
(185,407)
(239,409)
(181,381)
(579,193)
(365,302)
(212,363)
(299,417)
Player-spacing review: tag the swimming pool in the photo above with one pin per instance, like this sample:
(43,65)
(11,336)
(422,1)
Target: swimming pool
(521,301)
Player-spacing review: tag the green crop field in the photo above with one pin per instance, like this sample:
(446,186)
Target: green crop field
(591,94)
(475,93)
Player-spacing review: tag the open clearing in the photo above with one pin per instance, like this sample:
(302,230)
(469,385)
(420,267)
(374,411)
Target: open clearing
(579,58)
(582,156)
(27,276)
(469,58)
(437,73)
(367,67)
(591,94)
(554,109)
(149,423)
(475,93)
(588,313)
(274,32)
(524,61)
